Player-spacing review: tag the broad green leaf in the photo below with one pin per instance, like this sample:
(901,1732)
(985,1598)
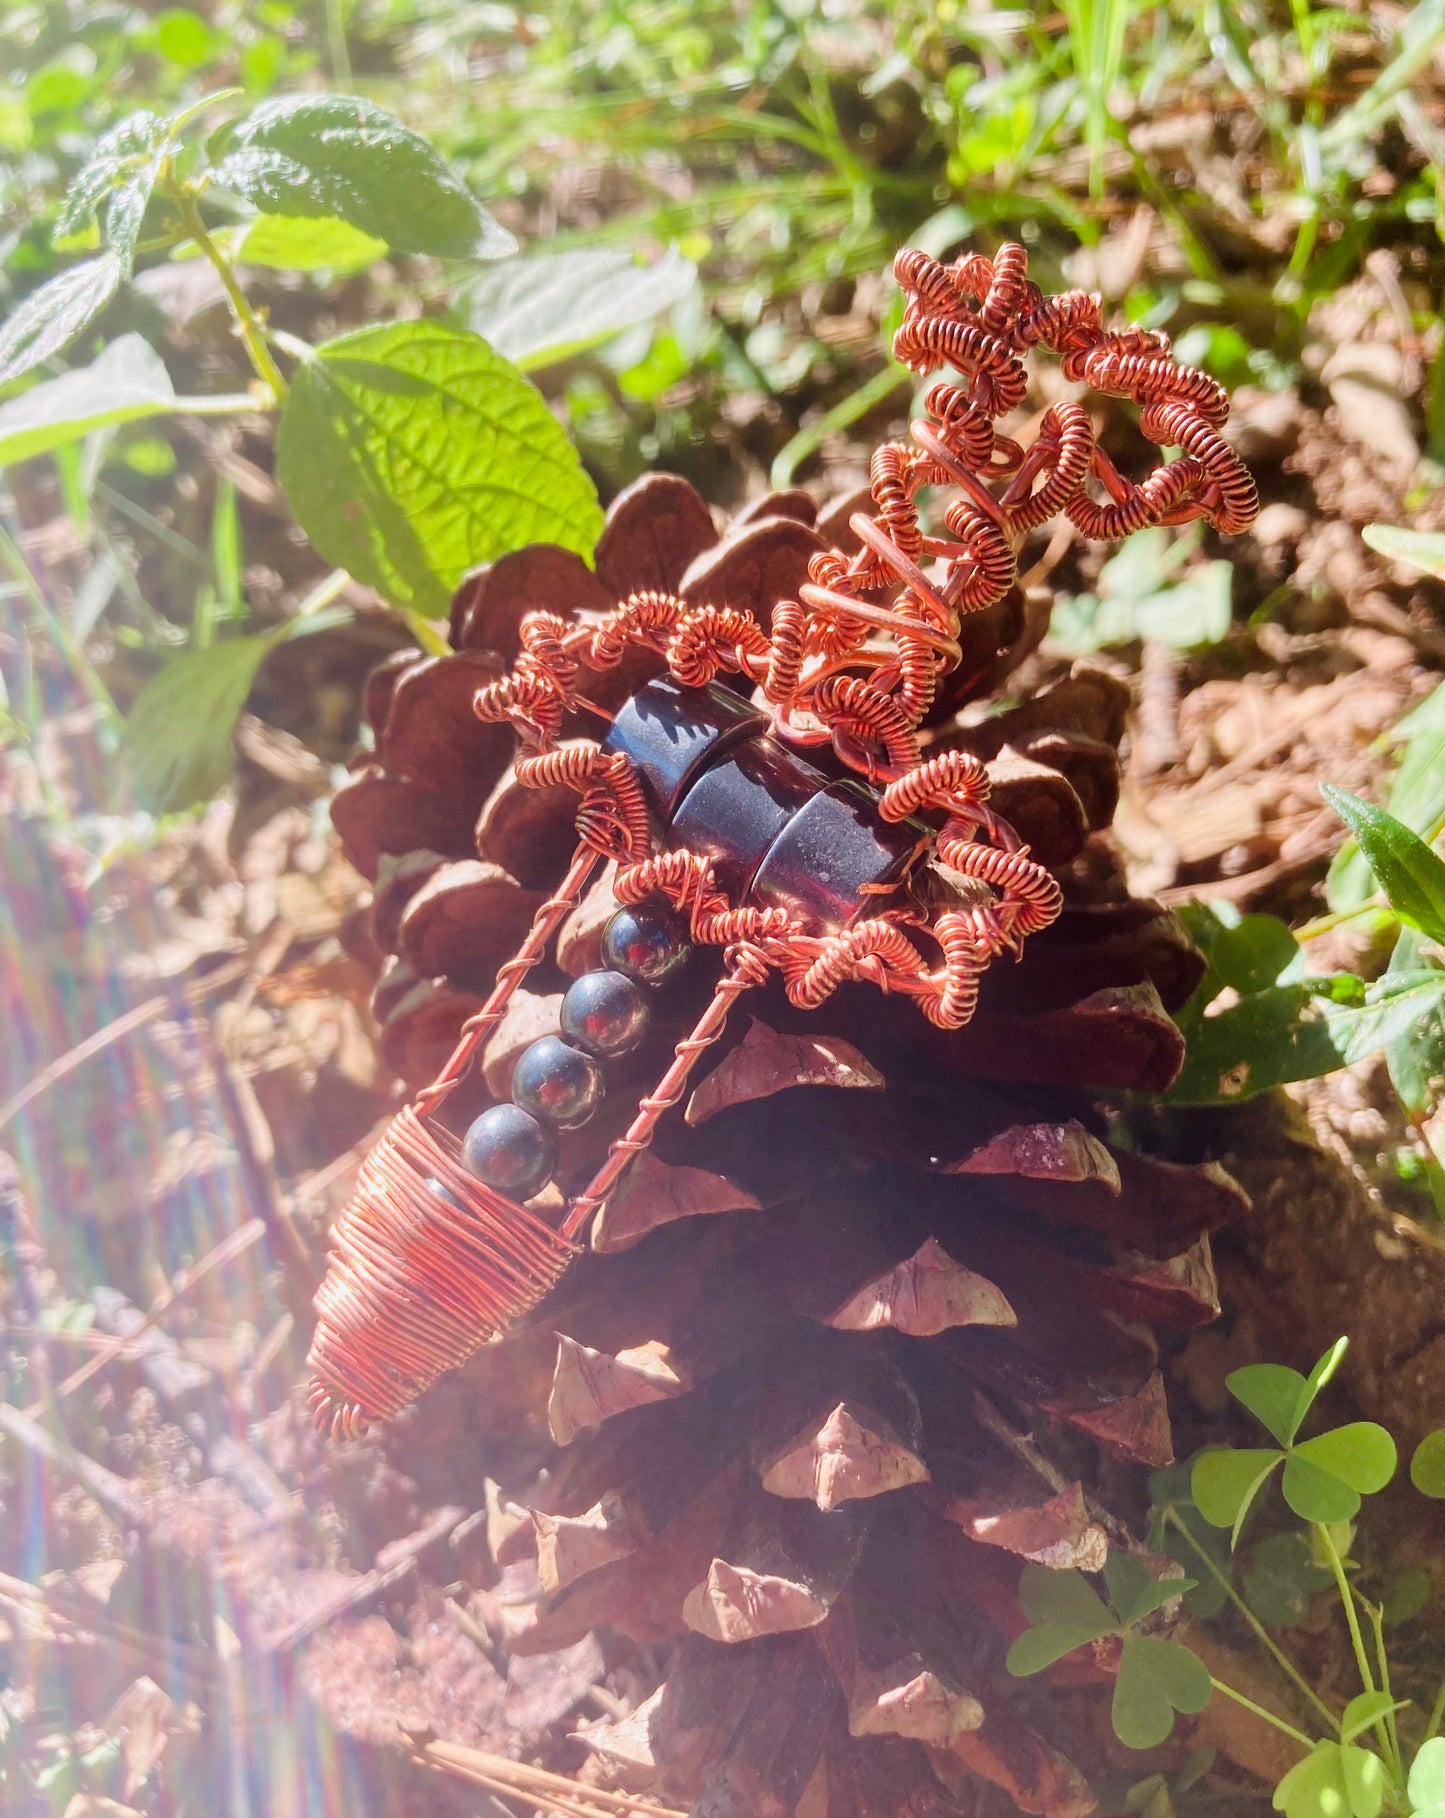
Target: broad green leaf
(1410,874)
(118,154)
(1156,1679)
(1297,1032)
(411,452)
(1065,1599)
(345,157)
(538,311)
(1276,1396)
(1315,1494)
(1251,955)
(177,741)
(1365,1710)
(1424,549)
(126,209)
(1427,1467)
(1361,1454)
(1282,1580)
(1226,1483)
(1038,1648)
(1427,1775)
(1417,797)
(51,317)
(1135,1592)
(295,243)
(126,382)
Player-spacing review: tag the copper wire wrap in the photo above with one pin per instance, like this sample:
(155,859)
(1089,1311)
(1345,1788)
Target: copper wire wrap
(427,1261)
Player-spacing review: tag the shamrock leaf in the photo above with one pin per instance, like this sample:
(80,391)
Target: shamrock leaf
(1427,1779)
(1335,1780)
(1225,1484)
(1156,1679)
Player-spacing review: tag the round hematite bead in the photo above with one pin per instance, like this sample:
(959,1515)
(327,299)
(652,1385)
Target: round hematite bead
(644,943)
(557,1082)
(604,1013)
(510,1150)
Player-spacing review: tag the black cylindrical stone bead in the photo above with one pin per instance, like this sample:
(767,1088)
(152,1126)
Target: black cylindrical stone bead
(836,860)
(604,1013)
(645,943)
(558,1083)
(510,1150)
(670,732)
(738,806)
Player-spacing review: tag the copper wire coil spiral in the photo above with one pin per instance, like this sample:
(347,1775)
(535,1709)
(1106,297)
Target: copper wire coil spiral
(427,1261)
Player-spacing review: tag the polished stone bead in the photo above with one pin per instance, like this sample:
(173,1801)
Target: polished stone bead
(670,732)
(837,859)
(510,1150)
(558,1083)
(645,943)
(604,1013)
(737,807)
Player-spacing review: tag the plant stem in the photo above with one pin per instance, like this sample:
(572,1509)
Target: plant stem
(252,333)
(1260,1712)
(1437,1715)
(1382,1661)
(1347,1597)
(1279,1656)
(58,631)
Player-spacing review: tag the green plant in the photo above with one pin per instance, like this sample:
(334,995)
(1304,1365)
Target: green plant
(408,450)
(1141,594)
(1280,1022)
(1379,1752)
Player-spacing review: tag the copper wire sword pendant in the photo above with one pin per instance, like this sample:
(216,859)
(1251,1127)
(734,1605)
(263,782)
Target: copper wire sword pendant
(726,836)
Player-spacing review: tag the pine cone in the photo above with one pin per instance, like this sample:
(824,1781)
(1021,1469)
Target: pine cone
(798,1379)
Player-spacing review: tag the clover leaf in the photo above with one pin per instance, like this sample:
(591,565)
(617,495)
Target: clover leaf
(1324,1478)
(1155,1678)
(1333,1780)
(1427,1467)
(1426,1785)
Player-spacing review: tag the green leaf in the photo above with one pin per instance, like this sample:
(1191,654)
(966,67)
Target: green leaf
(1038,1648)
(1332,1782)
(51,317)
(1317,1495)
(1423,549)
(1282,1580)
(1366,1710)
(1410,874)
(1427,1467)
(1135,1592)
(345,157)
(118,154)
(177,740)
(1325,1367)
(294,243)
(1251,955)
(1065,1599)
(1225,1484)
(1417,796)
(1361,1454)
(1156,1678)
(1427,1775)
(127,382)
(126,209)
(1276,1396)
(538,311)
(411,452)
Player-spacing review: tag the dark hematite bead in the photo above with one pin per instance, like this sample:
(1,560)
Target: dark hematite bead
(604,1013)
(645,943)
(837,859)
(555,1081)
(671,732)
(510,1150)
(737,808)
